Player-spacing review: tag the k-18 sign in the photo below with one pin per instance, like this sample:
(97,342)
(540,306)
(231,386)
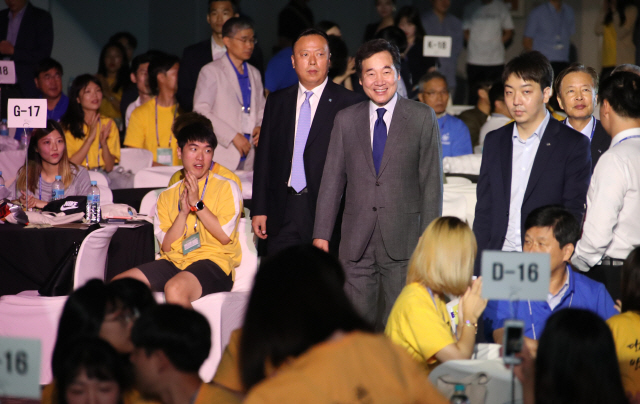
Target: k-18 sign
(436,46)
(515,275)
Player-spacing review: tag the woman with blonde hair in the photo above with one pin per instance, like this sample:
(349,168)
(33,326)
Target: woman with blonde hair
(441,266)
(47,158)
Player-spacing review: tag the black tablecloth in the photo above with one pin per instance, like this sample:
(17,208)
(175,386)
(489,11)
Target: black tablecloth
(27,256)
(131,196)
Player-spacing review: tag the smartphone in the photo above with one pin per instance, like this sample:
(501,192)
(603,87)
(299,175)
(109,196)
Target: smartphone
(512,341)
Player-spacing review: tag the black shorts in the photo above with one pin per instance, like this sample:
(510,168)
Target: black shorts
(211,277)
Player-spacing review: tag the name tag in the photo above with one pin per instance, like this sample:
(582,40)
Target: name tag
(247,123)
(20,367)
(7,72)
(165,156)
(515,275)
(437,46)
(191,243)
(27,113)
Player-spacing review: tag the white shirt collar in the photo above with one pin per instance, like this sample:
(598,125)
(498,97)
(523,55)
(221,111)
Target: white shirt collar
(317,91)
(389,106)
(537,133)
(624,134)
(587,130)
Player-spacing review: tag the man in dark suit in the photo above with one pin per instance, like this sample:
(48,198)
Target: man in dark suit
(26,37)
(576,88)
(194,57)
(387,153)
(292,148)
(532,162)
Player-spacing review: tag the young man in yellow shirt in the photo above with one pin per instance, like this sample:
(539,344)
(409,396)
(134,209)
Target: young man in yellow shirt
(197,225)
(150,124)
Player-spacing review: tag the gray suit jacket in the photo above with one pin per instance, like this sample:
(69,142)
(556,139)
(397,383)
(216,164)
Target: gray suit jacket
(406,195)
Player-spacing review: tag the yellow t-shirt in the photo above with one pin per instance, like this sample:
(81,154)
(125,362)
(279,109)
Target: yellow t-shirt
(418,326)
(228,372)
(609,50)
(217,169)
(212,394)
(357,368)
(224,199)
(95,158)
(625,328)
(106,108)
(141,132)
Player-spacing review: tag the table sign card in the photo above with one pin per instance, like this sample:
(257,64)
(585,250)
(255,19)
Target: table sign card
(7,72)
(27,113)
(19,368)
(436,46)
(515,275)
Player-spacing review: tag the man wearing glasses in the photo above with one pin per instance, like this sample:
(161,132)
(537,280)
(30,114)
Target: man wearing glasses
(229,92)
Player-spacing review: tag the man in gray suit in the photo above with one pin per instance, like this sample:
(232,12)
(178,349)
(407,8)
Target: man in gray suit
(387,153)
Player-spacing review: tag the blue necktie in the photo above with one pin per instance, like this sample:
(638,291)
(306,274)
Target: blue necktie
(379,138)
(298,178)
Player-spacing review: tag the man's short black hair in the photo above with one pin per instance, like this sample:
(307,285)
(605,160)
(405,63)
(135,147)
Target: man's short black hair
(622,92)
(308,32)
(196,132)
(394,35)
(139,60)
(374,46)
(530,66)
(128,36)
(566,228)
(183,335)
(496,93)
(46,65)
(160,64)
(235,24)
(430,76)
(234,5)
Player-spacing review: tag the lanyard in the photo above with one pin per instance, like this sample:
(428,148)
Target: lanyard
(175,111)
(246,89)
(626,138)
(99,145)
(593,129)
(40,188)
(201,198)
(533,326)
(434,303)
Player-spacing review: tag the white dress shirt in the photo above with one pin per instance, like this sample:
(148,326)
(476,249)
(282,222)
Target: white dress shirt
(587,130)
(524,153)
(313,103)
(217,51)
(612,223)
(373,114)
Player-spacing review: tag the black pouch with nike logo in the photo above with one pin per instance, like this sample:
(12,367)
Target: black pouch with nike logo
(68,205)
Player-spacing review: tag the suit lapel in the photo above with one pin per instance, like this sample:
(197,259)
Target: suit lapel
(326,104)
(506,160)
(290,110)
(548,144)
(362,128)
(233,79)
(398,122)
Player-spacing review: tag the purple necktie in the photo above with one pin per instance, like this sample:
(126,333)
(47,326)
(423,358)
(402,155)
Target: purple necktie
(298,178)
(379,139)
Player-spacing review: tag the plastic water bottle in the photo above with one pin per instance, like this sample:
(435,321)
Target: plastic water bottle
(57,189)
(4,129)
(93,204)
(459,396)
(24,139)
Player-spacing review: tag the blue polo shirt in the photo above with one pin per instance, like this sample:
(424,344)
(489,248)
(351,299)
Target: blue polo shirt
(551,30)
(280,73)
(455,137)
(583,293)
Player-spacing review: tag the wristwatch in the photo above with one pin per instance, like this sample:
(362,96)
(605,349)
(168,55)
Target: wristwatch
(199,205)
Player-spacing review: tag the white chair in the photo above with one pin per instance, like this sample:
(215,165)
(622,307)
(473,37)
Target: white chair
(106,196)
(154,177)
(458,180)
(246,179)
(466,164)
(453,204)
(28,315)
(148,207)
(135,159)
(99,178)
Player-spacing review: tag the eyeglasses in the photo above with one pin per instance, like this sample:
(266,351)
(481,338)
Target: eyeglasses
(124,317)
(246,40)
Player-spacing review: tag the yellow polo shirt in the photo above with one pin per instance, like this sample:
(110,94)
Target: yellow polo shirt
(419,326)
(94,156)
(224,199)
(217,169)
(141,132)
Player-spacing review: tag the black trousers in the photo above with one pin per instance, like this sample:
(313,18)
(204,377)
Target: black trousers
(610,276)
(297,226)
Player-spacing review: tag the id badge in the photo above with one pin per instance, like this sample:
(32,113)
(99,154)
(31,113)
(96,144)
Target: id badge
(247,123)
(165,156)
(191,243)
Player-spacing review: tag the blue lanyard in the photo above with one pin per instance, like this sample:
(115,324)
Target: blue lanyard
(201,196)
(593,129)
(40,188)
(626,138)
(245,85)
(175,111)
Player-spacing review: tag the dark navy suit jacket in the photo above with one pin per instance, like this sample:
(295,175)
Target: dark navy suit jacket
(560,176)
(599,144)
